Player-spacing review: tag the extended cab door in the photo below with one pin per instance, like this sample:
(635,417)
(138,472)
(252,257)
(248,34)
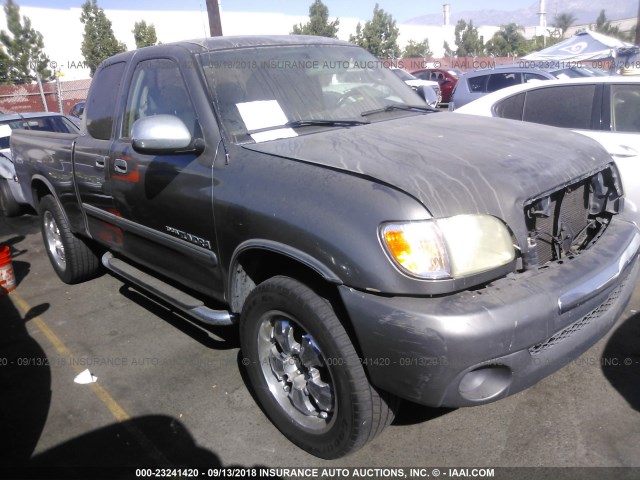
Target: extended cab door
(165,202)
(90,160)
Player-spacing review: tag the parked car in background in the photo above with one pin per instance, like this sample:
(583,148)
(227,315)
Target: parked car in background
(11,196)
(579,72)
(606,109)
(447,79)
(477,84)
(433,100)
(77,110)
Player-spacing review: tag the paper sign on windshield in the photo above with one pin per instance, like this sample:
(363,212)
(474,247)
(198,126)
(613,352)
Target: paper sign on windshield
(263,114)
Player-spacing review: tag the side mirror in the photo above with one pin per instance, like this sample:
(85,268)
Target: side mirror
(428,95)
(160,134)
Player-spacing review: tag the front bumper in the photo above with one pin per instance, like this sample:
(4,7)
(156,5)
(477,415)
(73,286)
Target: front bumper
(475,347)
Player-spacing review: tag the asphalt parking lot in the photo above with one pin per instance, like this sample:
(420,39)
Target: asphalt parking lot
(169,390)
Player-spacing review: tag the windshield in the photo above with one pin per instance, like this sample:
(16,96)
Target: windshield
(275,92)
(402,75)
(578,72)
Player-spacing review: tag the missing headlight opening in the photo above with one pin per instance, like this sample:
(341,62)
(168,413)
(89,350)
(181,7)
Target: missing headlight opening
(570,220)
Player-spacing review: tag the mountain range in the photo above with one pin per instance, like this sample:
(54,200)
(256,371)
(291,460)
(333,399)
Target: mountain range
(585,11)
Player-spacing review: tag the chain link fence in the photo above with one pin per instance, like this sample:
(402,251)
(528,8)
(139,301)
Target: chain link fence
(54,96)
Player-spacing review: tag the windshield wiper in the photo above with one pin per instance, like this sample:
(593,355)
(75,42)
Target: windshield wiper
(311,122)
(390,107)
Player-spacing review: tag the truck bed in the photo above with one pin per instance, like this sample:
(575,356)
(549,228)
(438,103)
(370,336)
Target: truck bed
(46,157)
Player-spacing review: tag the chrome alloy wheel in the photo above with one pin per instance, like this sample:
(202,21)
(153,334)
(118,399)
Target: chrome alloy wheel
(54,240)
(296,371)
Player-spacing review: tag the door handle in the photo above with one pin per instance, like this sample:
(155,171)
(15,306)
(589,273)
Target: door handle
(100,162)
(120,165)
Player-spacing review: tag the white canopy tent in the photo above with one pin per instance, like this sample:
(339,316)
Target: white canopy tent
(586,46)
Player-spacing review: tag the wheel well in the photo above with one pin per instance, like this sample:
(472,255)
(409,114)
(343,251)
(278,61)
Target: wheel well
(254,266)
(39,189)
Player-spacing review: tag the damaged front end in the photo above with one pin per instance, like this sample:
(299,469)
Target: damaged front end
(563,223)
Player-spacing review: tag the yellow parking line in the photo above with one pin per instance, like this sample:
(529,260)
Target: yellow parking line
(114,407)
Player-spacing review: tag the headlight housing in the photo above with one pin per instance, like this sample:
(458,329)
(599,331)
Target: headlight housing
(449,247)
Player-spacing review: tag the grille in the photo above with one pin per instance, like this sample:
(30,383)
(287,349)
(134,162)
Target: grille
(566,332)
(557,227)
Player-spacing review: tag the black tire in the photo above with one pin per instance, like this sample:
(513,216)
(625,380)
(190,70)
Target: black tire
(357,411)
(70,256)
(8,205)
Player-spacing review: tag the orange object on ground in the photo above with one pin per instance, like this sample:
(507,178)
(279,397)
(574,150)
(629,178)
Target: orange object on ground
(7,277)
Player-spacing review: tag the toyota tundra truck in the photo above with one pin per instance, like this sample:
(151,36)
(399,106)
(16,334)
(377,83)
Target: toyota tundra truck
(368,248)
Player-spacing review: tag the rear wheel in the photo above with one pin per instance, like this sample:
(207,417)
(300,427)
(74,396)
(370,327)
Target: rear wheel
(8,205)
(70,256)
(306,372)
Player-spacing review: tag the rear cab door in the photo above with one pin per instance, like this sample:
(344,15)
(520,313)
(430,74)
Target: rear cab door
(92,150)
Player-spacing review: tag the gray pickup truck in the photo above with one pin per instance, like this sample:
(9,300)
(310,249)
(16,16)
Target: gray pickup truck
(369,248)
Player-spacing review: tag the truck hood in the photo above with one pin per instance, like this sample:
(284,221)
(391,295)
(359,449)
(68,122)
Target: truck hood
(453,164)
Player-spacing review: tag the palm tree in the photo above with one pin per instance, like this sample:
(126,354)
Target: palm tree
(564,21)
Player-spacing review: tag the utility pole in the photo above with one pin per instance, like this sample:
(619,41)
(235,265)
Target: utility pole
(638,26)
(215,26)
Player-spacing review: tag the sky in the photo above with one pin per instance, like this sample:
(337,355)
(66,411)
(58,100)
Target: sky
(400,9)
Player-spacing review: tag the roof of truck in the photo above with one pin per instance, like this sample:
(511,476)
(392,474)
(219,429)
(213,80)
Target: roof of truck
(212,44)
(245,41)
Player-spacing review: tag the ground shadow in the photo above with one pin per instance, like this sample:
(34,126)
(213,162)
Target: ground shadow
(411,413)
(23,225)
(158,444)
(25,384)
(621,360)
(143,442)
(218,338)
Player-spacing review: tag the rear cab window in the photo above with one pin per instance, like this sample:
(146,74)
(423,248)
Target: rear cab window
(100,107)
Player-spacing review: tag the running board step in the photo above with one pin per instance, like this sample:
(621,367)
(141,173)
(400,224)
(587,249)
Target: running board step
(179,299)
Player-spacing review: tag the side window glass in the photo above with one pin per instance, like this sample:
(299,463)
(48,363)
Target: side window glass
(157,88)
(477,84)
(510,107)
(498,81)
(625,108)
(533,76)
(568,106)
(101,104)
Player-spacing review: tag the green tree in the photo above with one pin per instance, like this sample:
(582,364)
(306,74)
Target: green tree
(417,49)
(563,21)
(468,41)
(24,56)
(318,23)
(379,35)
(99,41)
(4,66)
(144,35)
(603,25)
(541,42)
(448,52)
(508,42)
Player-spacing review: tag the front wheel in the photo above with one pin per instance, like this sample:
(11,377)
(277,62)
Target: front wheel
(70,256)
(305,371)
